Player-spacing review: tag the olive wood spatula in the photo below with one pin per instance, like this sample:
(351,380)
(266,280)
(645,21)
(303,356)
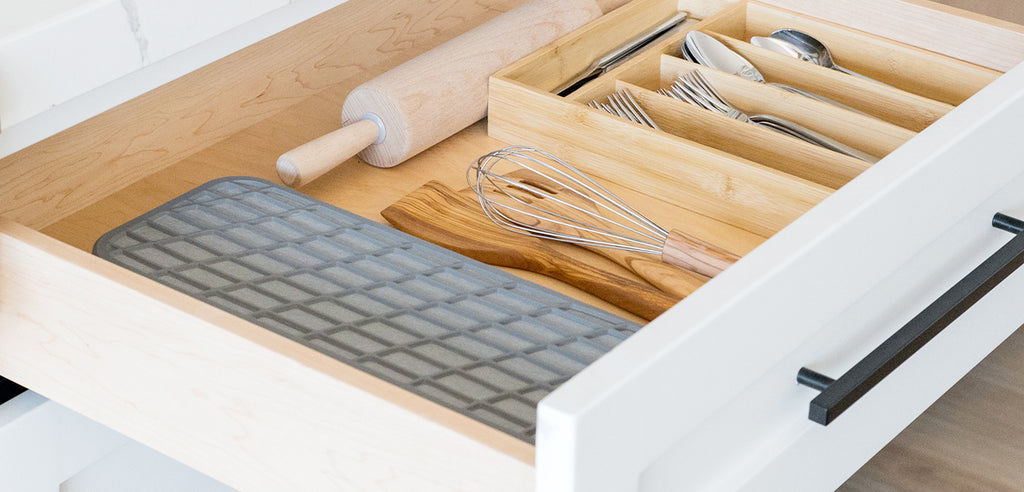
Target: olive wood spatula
(439,214)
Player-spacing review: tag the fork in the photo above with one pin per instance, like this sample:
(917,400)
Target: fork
(694,88)
(621,103)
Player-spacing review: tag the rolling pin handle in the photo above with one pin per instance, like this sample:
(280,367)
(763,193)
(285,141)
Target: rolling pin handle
(312,159)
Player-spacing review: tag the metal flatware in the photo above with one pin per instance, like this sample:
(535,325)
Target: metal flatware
(694,88)
(711,53)
(620,54)
(705,50)
(805,47)
(622,104)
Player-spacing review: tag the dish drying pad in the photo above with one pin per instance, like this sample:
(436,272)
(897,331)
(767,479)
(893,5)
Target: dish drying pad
(466,335)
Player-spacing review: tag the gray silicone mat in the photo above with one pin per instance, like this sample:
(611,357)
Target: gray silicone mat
(461,333)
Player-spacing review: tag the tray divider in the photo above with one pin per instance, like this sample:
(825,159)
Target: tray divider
(731,20)
(751,142)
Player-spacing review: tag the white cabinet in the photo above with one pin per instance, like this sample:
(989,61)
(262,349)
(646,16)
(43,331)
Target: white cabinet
(44,447)
(42,443)
(134,467)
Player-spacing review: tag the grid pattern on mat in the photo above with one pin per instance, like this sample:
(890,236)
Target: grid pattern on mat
(463,334)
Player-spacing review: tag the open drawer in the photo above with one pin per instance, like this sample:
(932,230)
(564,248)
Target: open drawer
(702,398)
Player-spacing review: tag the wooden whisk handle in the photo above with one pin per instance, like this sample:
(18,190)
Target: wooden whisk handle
(685,251)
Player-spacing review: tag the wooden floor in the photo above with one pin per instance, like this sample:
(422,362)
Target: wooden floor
(972,439)
(1011,10)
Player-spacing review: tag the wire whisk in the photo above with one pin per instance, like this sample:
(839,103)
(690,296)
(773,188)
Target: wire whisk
(532,192)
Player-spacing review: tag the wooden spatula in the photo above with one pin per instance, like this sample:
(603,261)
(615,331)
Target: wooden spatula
(669,278)
(439,214)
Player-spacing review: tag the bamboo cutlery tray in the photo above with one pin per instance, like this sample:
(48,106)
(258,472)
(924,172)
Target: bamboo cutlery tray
(743,176)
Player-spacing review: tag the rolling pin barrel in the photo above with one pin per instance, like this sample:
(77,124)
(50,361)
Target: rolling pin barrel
(434,95)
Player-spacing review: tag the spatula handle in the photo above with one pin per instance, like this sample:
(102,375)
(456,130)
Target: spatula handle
(686,251)
(639,298)
(675,282)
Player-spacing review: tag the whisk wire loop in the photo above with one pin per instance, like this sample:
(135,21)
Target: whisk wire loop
(593,192)
(577,203)
(498,212)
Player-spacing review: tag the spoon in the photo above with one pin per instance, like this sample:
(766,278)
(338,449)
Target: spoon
(703,49)
(807,48)
(779,46)
(708,51)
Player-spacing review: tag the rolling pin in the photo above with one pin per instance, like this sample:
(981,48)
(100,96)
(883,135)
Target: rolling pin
(413,106)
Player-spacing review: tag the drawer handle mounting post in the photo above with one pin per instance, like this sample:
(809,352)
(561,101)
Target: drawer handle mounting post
(838,394)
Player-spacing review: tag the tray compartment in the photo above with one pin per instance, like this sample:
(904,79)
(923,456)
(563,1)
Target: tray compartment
(906,109)
(871,135)
(708,181)
(751,142)
(906,67)
(573,54)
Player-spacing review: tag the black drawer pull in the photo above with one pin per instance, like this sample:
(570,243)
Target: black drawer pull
(8,390)
(838,394)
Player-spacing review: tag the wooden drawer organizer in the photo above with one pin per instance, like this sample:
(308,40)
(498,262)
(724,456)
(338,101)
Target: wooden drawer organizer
(744,176)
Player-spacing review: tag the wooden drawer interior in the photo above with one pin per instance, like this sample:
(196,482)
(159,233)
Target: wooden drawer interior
(721,180)
(724,181)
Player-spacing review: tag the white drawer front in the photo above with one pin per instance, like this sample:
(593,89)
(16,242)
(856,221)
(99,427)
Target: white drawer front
(705,398)
(792,453)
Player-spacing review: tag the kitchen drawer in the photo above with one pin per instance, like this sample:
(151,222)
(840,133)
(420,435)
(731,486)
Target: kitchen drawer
(701,398)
